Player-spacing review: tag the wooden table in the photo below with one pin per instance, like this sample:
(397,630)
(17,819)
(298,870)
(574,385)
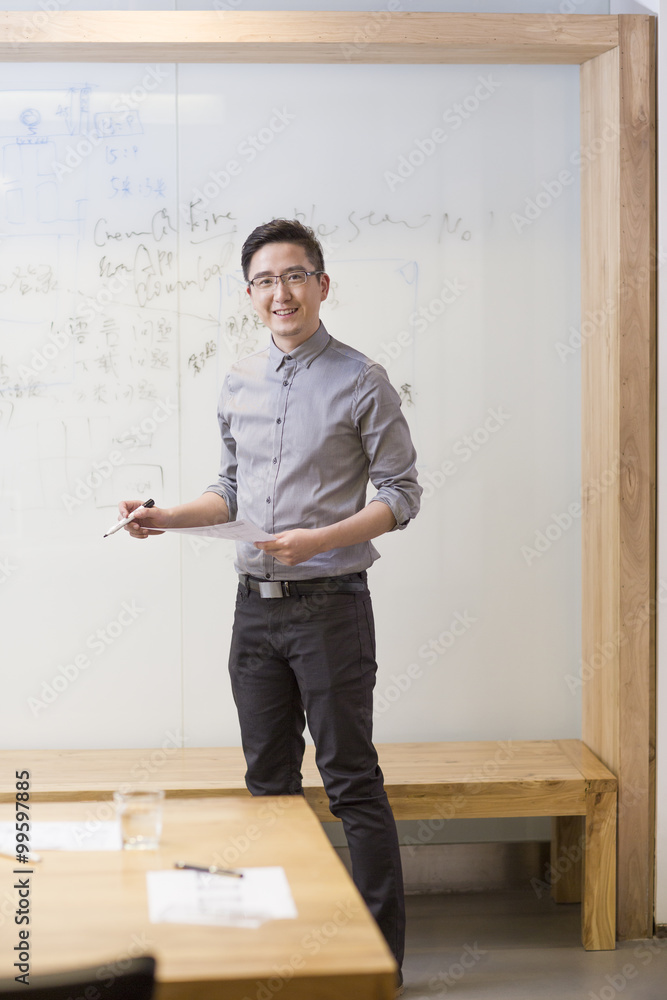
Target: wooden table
(90,908)
(428,781)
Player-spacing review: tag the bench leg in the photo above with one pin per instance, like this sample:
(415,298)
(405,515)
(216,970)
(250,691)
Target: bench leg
(598,911)
(567,855)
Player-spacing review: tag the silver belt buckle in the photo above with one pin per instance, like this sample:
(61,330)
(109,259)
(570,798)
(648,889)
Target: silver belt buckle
(272,588)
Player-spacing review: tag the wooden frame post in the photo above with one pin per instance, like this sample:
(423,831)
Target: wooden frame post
(618,437)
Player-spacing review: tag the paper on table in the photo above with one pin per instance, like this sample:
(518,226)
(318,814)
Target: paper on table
(61,836)
(237,531)
(187,897)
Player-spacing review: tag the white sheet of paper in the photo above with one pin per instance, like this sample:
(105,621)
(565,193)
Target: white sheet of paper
(61,836)
(187,897)
(236,531)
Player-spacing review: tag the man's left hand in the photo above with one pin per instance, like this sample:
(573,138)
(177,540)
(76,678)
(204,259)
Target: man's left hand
(293,547)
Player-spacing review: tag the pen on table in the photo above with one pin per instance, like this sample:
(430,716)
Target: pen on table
(126,520)
(211,869)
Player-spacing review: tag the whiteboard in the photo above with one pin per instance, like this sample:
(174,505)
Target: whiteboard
(447,201)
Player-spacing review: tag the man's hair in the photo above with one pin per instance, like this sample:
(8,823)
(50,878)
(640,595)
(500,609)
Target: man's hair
(282,231)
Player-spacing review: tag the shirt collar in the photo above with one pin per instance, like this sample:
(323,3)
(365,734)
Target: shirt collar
(305,353)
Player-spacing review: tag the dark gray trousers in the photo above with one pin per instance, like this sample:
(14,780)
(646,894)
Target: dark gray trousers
(313,657)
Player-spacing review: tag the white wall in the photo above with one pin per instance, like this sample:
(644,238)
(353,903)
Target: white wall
(491,397)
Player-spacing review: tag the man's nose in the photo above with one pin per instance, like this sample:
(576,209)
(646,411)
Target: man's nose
(281,293)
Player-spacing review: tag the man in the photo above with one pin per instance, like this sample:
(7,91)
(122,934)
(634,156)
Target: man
(305,423)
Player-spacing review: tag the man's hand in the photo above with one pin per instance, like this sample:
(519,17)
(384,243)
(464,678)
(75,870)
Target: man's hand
(209,508)
(300,544)
(295,546)
(152,517)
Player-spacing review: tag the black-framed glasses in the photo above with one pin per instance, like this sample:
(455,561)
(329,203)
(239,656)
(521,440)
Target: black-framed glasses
(267,282)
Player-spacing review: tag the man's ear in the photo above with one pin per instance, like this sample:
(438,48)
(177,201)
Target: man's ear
(325,282)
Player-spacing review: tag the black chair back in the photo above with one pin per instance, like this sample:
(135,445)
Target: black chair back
(135,982)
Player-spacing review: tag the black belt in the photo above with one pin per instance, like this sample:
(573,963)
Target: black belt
(350,584)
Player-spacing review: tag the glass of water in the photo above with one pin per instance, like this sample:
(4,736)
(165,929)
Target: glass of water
(140,815)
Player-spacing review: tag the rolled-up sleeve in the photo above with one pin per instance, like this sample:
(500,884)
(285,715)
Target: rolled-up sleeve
(225,485)
(386,441)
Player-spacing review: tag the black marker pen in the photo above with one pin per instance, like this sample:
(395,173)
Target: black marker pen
(126,520)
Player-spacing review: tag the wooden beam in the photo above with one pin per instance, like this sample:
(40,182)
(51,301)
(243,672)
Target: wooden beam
(618,438)
(303,37)
(637,427)
(568,841)
(598,919)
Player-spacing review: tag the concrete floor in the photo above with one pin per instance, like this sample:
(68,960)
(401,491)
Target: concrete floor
(513,946)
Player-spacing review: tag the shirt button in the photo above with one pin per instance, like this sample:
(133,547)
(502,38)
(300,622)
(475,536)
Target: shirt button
(268,576)
(268,499)
(279,421)
(285,382)
(275,460)
(288,357)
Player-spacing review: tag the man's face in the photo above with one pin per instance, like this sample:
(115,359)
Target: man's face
(292,314)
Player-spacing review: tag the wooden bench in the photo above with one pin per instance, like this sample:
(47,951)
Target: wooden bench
(425,781)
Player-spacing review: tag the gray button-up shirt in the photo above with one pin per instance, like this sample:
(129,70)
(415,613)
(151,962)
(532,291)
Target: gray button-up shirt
(302,434)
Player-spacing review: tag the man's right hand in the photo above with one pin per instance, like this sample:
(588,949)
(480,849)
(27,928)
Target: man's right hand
(209,508)
(152,517)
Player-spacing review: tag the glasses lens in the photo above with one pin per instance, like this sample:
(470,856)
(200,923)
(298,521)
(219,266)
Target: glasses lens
(263,284)
(295,278)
